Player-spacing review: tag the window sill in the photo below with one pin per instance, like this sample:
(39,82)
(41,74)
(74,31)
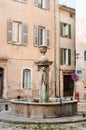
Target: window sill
(17,44)
(43,8)
(25,2)
(65,37)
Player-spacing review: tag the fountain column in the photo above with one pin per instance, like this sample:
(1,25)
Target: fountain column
(43,67)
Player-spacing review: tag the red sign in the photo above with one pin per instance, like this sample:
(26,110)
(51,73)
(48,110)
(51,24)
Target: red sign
(74,76)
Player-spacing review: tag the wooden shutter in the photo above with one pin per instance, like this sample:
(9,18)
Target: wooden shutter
(35,35)
(85,55)
(47,4)
(47,37)
(69,31)
(40,36)
(24,33)
(36,2)
(74,57)
(61,29)
(69,56)
(9,31)
(61,56)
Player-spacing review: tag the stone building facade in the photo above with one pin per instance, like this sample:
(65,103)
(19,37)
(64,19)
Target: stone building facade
(66,46)
(24,26)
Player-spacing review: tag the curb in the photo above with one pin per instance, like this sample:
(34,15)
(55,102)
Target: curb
(8,118)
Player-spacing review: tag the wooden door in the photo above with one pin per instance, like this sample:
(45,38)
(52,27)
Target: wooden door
(1,82)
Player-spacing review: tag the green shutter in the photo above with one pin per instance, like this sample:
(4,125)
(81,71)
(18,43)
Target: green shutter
(69,56)
(61,29)
(74,57)
(61,56)
(9,30)
(24,34)
(69,31)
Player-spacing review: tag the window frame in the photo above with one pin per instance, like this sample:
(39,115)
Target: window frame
(65,54)
(24,80)
(44,4)
(41,36)
(65,30)
(22,38)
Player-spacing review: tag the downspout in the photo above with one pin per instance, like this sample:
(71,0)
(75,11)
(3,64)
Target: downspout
(55,73)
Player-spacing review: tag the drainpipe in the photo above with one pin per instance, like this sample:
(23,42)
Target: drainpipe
(55,75)
(59,50)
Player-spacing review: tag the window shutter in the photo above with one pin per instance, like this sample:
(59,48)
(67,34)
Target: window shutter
(69,30)
(24,33)
(9,31)
(61,56)
(61,29)
(74,57)
(69,56)
(47,37)
(36,2)
(85,55)
(35,35)
(47,4)
(40,36)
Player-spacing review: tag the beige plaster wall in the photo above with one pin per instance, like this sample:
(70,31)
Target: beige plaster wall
(20,57)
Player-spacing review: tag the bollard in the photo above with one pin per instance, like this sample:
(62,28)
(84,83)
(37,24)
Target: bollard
(6,107)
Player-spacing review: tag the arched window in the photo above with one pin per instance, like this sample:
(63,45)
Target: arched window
(84,55)
(26,78)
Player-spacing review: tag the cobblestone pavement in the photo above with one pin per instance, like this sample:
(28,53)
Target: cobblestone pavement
(69,126)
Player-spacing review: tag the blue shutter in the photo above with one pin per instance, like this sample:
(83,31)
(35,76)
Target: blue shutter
(85,55)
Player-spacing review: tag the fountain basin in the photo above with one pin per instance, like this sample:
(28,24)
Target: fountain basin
(43,110)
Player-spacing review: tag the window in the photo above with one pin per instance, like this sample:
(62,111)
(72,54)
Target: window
(17,32)
(26,78)
(45,4)
(85,55)
(65,56)
(41,36)
(65,30)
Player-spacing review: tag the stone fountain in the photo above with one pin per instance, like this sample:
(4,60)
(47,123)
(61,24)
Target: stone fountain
(44,107)
(43,67)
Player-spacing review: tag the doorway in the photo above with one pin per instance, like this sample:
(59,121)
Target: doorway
(1,81)
(68,86)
